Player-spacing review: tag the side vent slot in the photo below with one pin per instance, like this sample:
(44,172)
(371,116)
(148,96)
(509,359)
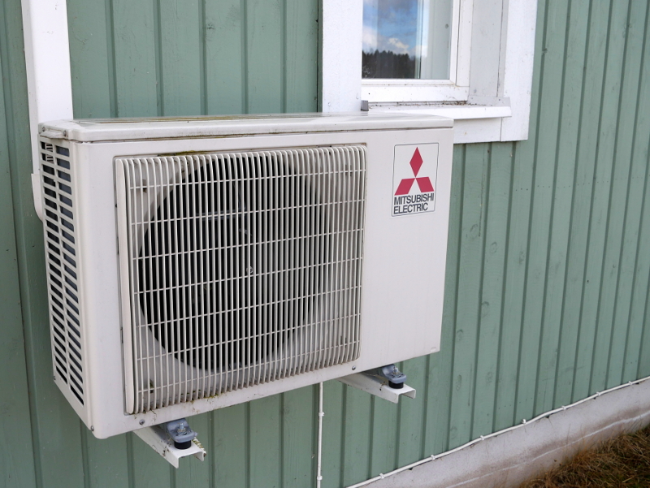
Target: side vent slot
(61,260)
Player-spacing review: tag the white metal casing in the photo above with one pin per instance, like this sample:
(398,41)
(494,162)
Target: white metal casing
(404,257)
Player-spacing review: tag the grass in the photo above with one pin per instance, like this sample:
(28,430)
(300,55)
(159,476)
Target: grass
(621,462)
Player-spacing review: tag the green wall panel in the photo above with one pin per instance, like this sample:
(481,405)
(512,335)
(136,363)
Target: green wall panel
(548,275)
(17,467)
(191,57)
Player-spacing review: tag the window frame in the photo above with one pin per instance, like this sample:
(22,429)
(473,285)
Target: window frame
(455,89)
(499,36)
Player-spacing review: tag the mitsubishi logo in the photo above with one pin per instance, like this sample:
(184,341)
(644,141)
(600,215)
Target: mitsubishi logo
(415,169)
(424,183)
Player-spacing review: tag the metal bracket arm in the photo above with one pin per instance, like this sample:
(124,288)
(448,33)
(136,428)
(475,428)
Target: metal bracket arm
(378,386)
(160,441)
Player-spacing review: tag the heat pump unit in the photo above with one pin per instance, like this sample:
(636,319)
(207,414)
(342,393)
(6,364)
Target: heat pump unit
(197,263)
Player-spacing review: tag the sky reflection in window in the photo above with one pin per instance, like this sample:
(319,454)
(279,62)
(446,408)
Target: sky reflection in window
(408,39)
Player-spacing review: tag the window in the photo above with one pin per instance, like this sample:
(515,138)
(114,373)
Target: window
(466,59)
(407,39)
(410,51)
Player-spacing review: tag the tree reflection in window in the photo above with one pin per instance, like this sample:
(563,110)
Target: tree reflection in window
(407,39)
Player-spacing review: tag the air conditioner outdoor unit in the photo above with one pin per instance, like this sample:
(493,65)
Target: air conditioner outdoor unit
(196,263)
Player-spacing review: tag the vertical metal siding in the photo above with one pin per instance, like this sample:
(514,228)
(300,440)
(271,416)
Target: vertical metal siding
(16,448)
(190,57)
(547,286)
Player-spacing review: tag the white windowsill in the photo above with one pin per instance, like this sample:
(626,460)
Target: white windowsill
(475,121)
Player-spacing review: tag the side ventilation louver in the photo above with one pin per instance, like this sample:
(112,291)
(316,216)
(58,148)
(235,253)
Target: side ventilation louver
(244,268)
(62,266)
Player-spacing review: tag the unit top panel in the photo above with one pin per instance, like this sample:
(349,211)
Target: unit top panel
(138,129)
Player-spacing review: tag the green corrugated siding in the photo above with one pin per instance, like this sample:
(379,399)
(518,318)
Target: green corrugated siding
(16,449)
(547,286)
(189,57)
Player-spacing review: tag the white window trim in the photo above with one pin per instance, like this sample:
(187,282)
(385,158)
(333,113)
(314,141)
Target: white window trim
(500,70)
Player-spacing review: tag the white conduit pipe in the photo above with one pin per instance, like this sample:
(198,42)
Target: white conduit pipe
(484,437)
(47,61)
(321,414)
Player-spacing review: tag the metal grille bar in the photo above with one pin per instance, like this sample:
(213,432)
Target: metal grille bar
(61,259)
(244,268)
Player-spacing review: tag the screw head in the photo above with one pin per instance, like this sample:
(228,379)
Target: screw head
(353,368)
(92,428)
(142,422)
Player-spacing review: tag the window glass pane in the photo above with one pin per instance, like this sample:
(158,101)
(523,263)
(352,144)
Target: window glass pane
(407,39)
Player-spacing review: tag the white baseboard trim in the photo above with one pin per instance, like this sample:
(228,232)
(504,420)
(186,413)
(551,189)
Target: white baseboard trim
(509,458)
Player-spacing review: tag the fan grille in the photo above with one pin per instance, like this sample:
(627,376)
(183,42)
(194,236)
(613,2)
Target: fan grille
(244,268)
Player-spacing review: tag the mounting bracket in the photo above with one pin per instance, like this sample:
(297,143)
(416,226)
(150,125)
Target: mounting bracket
(375,384)
(159,439)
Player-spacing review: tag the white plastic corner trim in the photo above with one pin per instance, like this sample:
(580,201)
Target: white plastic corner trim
(49,83)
